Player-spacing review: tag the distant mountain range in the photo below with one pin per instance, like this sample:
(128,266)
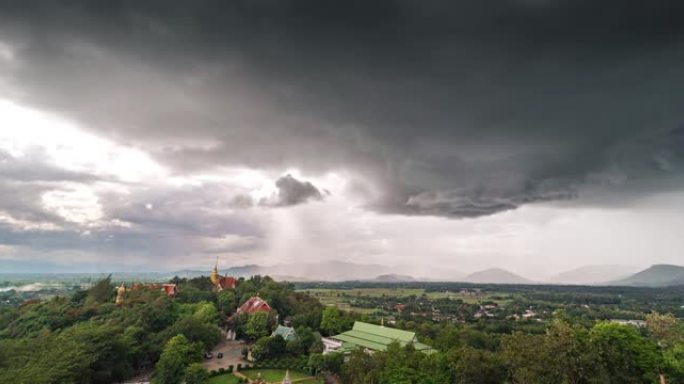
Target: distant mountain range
(496,276)
(655,276)
(593,275)
(659,275)
(393,278)
(328,271)
(343,271)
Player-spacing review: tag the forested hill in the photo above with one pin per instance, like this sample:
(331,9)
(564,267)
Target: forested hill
(87,338)
(496,276)
(659,275)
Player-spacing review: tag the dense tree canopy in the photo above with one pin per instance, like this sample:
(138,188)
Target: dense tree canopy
(565,353)
(177,356)
(86,338)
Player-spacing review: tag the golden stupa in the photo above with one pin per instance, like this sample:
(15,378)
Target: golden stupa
(120,292)
(214,277)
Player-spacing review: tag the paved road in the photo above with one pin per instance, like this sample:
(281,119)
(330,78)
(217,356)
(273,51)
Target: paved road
(231,355)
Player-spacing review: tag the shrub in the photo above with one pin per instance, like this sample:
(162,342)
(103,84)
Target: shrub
(239,367)
(230,368)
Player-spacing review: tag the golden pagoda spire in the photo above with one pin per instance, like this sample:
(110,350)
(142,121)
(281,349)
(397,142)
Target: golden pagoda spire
(214,277)
(120,292)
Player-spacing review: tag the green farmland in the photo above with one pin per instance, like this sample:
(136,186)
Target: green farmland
(345,298)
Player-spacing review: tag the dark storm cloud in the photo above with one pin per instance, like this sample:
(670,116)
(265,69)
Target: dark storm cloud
(292,191)
(23,202)
(36,168)
(158,222)
(207,211)
(459,109)
(24,180)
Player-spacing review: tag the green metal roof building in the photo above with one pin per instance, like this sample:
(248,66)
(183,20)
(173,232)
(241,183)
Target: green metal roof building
(287,333)
(377,338)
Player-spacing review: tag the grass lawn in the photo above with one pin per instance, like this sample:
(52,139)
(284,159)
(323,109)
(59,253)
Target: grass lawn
(275,375)
(227,378)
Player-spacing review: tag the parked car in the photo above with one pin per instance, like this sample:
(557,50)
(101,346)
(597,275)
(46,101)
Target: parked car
(219,355)
(208,355)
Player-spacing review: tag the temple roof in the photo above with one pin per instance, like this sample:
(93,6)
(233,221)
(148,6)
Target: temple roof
(378,337)
(226,282)
(287,333)
(254,304)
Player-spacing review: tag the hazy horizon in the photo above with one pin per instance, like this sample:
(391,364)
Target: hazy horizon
(533,136)
(592,273)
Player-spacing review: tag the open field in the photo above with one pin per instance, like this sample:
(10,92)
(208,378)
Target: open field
(368,292)
(344,298)
(498,297)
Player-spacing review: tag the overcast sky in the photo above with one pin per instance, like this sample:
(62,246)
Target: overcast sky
(534,135)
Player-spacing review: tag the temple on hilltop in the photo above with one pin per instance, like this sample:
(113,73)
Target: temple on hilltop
(221,282)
